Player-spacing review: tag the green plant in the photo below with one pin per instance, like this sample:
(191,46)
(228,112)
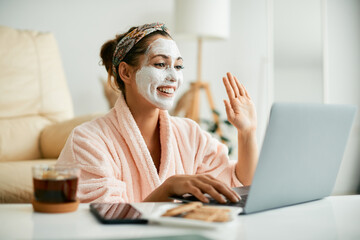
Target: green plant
(212,127)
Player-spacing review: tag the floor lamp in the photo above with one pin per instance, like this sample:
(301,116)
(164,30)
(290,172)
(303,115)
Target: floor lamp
(203,20)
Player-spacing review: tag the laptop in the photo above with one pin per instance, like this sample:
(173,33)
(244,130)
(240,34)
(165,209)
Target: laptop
(299,159)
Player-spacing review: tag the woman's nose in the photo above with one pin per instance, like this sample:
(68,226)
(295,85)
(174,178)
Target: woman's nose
(172,79)
(171,75)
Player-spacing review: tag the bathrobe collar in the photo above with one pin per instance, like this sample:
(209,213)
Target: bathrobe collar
(136,143)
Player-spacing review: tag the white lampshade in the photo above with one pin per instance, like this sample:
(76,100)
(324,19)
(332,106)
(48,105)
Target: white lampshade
(203,18)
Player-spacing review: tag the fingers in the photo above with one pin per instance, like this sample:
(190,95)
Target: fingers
(198,185)
(229,90)
(246,93)
(218,188)
(228,108)
(221,188)
(207,188)
(233,84)
(198,194)
(233,87)
(240,87)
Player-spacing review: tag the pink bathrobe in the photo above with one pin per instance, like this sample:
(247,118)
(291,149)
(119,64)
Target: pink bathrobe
(116,165)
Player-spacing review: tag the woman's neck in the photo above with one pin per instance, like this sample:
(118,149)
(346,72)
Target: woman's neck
(146,118)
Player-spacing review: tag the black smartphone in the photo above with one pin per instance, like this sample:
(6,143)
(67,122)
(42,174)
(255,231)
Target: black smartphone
(117,213)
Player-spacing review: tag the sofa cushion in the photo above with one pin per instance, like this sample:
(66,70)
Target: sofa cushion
(32,79)
(16,184)
(53,137)
(19,138)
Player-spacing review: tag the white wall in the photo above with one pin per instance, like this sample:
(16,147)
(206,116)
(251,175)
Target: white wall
(343,70)
(298,51)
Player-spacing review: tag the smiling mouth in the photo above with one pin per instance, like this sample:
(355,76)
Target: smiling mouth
(166,91)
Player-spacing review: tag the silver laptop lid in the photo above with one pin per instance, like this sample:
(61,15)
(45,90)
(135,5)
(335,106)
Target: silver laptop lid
(301,154)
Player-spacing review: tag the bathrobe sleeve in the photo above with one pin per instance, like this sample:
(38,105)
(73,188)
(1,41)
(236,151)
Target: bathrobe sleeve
(100,174)
(211,156)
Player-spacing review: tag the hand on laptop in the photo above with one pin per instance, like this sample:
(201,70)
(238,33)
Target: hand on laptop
(197,185)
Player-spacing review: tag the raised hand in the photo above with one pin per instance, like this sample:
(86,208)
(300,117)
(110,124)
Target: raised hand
(240,109)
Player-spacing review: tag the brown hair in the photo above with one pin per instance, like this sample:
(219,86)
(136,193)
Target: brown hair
(131,58)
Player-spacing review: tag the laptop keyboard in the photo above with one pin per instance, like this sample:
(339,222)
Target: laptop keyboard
(242,191)
(241,203)
(212,201)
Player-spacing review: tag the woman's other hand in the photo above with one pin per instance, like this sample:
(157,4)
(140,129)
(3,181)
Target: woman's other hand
(242,114)
(240,109)
(196,185)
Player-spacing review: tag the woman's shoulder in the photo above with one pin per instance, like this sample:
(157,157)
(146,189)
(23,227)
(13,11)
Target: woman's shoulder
(185,128)
(183,122)
(98,125)
(186,125)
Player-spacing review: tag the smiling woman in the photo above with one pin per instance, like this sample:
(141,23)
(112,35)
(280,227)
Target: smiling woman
(138,152)
(160,75)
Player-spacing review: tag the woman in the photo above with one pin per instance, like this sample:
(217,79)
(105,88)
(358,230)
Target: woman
(137,152)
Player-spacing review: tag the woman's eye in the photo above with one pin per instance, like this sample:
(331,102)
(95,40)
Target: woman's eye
(179,67)
(159,65)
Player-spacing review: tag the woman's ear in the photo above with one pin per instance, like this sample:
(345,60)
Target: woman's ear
(125,72)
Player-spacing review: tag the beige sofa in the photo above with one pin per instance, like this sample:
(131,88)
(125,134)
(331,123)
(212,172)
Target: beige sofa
(36,114)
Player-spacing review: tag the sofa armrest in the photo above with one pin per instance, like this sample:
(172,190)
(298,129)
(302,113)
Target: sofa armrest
(54,136)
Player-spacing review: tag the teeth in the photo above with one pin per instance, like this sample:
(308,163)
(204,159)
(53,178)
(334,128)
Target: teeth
(167,90)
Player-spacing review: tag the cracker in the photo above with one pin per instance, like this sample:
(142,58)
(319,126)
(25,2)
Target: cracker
(212,209)
(196,210)
(222,217)
(207,216)
(221,214)
(182,209)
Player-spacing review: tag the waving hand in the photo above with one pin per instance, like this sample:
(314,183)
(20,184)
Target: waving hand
(240,109)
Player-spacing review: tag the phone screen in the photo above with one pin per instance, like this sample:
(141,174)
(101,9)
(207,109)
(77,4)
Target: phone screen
(116,213)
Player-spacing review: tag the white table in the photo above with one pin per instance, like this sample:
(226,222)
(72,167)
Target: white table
(336,217)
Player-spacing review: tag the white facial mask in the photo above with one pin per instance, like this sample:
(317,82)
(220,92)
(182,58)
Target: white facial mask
(159,85)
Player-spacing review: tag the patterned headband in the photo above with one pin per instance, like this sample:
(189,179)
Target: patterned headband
(132,38)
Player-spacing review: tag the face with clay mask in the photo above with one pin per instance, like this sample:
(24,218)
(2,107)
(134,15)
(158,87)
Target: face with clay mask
(160,74)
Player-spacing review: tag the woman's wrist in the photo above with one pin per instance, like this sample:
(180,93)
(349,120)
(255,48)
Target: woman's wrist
(160,194)
(247,134)
(164,191)
(247,156)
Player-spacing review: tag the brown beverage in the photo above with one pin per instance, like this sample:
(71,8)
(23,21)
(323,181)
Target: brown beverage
(55,190)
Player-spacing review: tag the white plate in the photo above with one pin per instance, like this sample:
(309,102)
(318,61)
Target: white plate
(155,217)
